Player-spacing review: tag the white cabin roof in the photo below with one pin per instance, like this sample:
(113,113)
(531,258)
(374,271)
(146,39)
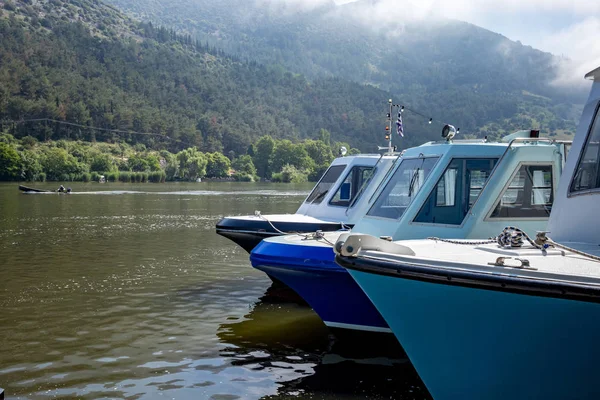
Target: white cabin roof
(593,75)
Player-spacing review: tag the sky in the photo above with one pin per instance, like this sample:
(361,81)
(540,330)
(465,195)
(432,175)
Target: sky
(568,28)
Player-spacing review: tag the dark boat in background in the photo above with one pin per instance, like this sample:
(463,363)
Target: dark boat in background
(27,189)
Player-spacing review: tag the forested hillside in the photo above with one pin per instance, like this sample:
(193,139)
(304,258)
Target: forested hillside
(452,69)
(132,76)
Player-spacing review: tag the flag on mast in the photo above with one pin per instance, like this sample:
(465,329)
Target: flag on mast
(399,127)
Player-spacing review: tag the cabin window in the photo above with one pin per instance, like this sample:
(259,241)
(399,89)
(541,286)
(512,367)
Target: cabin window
(587,175)
(325,184)
(456,191)
(351,186)
(529,194)
(402,187)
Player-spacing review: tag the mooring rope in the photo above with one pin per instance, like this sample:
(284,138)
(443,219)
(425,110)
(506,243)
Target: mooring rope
(317,235)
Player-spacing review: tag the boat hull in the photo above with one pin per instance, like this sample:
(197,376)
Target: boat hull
(312,273)
(473,343)
(248,233)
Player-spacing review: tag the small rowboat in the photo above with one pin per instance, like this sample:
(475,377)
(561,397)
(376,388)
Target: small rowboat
(27,189)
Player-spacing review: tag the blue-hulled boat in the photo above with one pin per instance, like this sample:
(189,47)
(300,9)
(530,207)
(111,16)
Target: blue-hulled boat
(501,320)
(446,189)
(333,204)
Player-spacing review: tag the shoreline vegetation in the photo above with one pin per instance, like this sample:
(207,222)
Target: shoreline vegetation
(27,159)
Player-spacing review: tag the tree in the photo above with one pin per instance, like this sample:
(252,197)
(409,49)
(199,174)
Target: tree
(57,164)
(138,164)
(30,166)
(245,165)
(319,151)
(262,156)
(287,152)
(192,164)
(101,163)
(218,165)
(10,163)
(325,136)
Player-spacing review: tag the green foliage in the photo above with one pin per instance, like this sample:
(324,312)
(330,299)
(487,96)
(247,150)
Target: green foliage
(157,176)
(112,176)
(31,169)
(137,163)
(218,165)
(245,165)
(57,163)
(290,153)
(125,176)
(263,150)
(320,152)
(29,142)
(10,163)
(101,162)
(243,177)
(192,164)
(289,174)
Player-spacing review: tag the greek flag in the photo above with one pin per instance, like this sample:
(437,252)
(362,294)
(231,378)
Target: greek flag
(399,127)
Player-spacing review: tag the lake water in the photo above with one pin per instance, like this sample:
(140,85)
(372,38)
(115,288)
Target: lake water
(126,291)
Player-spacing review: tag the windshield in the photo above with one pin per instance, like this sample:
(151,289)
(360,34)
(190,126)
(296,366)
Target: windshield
(403,186)
(351,186)
(324,185)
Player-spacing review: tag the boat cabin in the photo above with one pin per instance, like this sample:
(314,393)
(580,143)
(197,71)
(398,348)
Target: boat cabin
(573,219)
(437,189)
(337,201)
(336,197)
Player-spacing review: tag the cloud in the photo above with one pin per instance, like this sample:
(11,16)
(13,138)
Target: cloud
(580,42)
(566,28)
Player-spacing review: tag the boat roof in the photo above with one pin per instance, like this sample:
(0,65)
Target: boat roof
(465,148)
(368,159)
(593,75)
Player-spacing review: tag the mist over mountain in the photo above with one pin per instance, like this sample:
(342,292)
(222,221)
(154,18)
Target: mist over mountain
(453,70)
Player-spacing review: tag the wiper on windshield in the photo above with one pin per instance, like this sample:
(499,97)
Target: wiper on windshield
(319,197)
(412,182)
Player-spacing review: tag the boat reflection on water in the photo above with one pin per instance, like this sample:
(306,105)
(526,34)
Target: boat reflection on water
(290,342)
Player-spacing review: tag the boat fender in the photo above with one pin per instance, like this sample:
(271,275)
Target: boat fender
(353,244)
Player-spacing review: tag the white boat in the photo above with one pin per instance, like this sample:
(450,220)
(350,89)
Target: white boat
(514,319)
(336,202)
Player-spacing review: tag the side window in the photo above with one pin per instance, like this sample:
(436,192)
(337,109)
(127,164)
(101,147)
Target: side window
(528,195)
(456,191)
(351,186)
(586,174)
(324,185)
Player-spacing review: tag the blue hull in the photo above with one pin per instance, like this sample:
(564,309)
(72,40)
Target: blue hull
(328,288)
(472,343)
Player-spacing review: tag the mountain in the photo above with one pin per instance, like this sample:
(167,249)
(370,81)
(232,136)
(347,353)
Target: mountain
(455,71)
(85,63)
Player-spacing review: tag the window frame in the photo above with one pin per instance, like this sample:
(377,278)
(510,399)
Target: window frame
(351,202)
(390,175)
(490,211)
(494,158)
(570,191)
(319,182)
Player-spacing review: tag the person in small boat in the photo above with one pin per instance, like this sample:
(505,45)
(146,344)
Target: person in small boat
(61,189)
(69,190)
